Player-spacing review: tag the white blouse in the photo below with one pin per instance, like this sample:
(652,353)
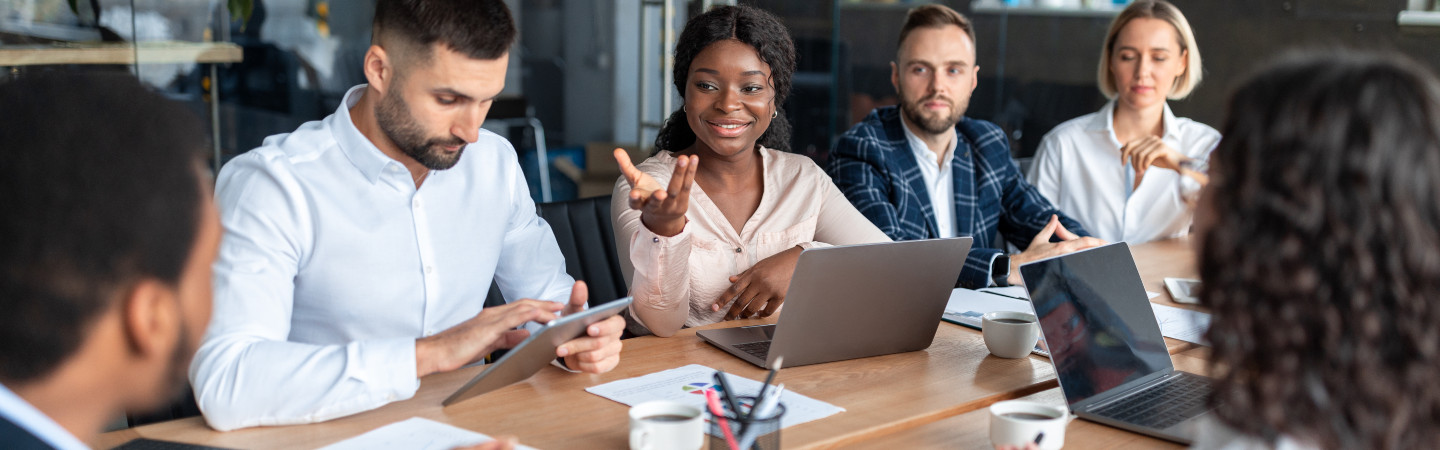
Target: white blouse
(1078,167)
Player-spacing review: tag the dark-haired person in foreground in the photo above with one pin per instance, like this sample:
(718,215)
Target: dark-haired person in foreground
(359,249)
(105,265)
(1321,257)
(923,170)
(713,224)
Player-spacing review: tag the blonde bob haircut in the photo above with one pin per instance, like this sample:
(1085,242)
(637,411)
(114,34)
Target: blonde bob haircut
(1153,9)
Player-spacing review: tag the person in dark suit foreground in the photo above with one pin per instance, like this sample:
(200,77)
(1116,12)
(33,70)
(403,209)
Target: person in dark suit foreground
(109,234)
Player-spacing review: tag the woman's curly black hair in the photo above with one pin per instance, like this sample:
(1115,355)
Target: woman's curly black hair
(754,27)
(1321,259)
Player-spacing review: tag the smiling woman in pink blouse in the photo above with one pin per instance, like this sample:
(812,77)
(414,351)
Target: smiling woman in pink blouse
(710,227)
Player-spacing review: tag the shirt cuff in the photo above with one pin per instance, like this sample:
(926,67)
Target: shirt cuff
(811,244)
(379,367)
(556,362)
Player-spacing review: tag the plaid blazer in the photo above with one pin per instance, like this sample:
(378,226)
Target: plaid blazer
(875,168)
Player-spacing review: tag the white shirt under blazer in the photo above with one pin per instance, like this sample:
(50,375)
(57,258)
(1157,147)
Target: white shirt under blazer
(333,264)
(1078,168)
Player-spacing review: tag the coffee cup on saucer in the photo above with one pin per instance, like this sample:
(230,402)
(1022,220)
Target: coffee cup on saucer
(1010,334)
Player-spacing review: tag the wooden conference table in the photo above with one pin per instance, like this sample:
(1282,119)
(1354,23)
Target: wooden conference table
(931,397)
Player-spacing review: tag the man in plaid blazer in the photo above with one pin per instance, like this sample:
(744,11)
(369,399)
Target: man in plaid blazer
(902,164)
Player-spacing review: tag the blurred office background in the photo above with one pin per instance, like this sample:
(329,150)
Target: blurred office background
(593,73)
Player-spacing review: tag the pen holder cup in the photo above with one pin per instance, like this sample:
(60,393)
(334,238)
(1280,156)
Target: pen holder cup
(765,430)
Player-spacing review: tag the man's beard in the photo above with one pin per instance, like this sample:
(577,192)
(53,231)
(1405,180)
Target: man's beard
(934,124)
(176,374)
(395,121)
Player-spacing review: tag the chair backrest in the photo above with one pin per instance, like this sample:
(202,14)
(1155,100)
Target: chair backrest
(587,239)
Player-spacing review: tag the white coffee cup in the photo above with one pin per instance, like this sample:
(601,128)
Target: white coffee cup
(1018,422)
(1010,334)
(665,424)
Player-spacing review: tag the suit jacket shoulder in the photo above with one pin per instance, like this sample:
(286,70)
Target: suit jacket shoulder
(15,438)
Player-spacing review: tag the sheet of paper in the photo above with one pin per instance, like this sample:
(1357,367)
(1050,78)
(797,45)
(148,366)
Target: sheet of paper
(688,385)
(416,433)
(967,306)
(1182,324)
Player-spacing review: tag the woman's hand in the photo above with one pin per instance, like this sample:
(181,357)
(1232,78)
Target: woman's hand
(759,290)
(662,209)
(1150,151)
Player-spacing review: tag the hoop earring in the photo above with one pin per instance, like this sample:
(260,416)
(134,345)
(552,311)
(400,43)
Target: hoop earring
(682,109)
(774,114)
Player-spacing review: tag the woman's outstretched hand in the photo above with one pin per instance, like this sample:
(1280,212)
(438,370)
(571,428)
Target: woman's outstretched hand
(662,209)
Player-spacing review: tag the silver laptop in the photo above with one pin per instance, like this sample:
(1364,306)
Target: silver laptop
(855,301)
(1107,348)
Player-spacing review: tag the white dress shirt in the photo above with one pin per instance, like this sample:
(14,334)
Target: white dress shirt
(938,179)
(1078,168)
(28,418)
(333,264)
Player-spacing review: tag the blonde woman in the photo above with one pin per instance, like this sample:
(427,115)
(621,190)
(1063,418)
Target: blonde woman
(1125,171)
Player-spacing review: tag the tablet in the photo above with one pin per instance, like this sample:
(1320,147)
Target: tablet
(535,352)
(1183,290)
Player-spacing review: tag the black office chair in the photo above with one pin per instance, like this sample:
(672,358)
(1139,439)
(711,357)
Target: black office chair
(587,239)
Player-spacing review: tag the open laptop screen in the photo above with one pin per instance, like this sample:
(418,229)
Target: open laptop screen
(1096,320)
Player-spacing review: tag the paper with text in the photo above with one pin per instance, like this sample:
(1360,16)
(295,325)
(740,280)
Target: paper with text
(415,433)
(688,384)
(1182,324)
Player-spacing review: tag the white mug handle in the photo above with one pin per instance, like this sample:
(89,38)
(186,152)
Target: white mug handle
(641,436)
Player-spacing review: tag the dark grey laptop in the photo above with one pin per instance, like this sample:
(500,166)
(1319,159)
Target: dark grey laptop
(855,301)
(1107,348)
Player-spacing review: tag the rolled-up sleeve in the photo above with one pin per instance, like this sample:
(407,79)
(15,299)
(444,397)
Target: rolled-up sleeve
(659,267)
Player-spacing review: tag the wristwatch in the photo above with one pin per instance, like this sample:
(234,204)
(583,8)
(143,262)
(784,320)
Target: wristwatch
(1000,270)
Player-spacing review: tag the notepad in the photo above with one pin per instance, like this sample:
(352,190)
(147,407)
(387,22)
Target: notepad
(967,306)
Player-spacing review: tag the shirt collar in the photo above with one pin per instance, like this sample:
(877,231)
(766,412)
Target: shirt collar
(921,150)
(1105,121)
(28,418)
(358,148)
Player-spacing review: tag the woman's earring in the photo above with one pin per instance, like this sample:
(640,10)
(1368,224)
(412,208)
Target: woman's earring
(774,114)
(682,109)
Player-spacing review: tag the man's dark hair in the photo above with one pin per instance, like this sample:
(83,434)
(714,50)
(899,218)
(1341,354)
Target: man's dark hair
(479,29)
(934,16)
(100,180)
(754,27)
(1321,257)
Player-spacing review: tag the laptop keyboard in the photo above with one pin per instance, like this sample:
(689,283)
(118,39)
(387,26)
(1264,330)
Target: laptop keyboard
(759,349)
(1161,406)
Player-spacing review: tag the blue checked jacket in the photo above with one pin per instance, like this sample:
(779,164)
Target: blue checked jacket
(873,165)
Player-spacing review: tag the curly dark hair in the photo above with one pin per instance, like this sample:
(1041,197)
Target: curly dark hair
(1322,258)
(754,27)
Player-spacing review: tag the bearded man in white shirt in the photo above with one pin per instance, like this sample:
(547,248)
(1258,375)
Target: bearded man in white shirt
(359,249)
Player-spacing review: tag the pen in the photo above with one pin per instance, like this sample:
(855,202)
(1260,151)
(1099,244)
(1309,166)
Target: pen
(729,394)
(714,401)
(761,411)
(1006,295)
(1038,437)
(774,369)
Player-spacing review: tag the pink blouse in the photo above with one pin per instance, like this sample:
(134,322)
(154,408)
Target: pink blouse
(676,279)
